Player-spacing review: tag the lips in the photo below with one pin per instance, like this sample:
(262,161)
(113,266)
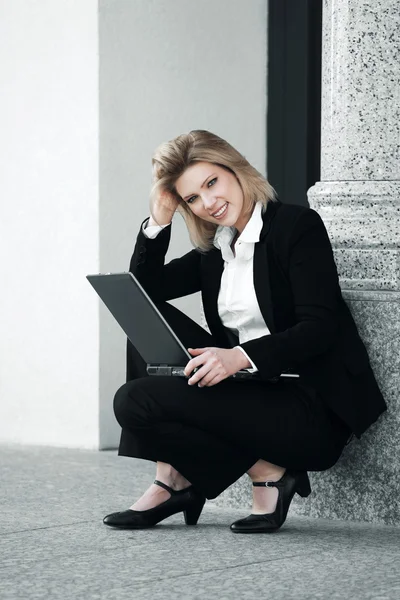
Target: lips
(224,207)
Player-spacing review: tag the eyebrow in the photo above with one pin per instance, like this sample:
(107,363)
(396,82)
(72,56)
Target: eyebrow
(189,195)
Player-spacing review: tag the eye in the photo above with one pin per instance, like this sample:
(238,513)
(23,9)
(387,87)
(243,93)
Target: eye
(190,200)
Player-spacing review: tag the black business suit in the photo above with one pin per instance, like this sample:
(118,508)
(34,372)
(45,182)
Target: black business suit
(300,424)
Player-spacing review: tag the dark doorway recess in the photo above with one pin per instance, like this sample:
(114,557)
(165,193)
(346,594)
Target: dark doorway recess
(294,97)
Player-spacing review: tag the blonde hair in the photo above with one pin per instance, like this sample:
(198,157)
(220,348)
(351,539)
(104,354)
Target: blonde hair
(172,158)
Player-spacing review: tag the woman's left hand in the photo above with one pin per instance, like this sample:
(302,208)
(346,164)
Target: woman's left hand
(218,364)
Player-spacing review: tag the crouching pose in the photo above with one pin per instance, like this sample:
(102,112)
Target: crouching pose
(273,304)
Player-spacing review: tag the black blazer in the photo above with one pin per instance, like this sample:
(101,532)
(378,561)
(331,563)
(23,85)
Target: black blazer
(298,291)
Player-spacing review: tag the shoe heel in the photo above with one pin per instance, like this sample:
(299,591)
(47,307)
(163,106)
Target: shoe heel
(303,486)
(192,513)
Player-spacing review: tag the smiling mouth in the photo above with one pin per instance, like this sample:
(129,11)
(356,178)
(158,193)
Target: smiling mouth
(220,212)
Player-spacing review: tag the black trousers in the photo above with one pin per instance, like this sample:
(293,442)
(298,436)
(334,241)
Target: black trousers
(213,435)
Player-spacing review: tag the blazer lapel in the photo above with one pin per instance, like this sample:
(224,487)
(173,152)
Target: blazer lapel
(261,270)
(261,279)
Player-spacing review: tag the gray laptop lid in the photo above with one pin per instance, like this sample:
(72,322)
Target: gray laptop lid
(140,319)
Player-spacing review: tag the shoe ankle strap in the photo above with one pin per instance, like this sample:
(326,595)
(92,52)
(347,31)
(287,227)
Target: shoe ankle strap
(266,483)
(165,486)
(278,484)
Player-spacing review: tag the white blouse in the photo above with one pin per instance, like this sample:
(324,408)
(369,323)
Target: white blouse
(238,306)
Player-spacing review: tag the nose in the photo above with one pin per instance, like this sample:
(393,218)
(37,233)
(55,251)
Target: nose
(210,202)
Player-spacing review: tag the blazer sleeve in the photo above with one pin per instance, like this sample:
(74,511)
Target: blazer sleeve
(314,284)
(180,277)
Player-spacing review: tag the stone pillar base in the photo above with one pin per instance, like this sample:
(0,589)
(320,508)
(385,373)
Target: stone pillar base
(364,484)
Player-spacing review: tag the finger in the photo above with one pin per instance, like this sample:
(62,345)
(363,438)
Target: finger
(195,362)
(215,375)
(192,365)
(211,380)
(188,369)
(202,372)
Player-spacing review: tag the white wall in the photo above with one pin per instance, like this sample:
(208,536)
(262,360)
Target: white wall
(163,67)
(167,67)
(49,336)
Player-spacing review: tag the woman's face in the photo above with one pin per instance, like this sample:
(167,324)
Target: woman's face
(208,188)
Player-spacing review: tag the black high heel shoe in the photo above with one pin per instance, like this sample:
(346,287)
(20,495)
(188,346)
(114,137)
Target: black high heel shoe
(290,483)
(188,500)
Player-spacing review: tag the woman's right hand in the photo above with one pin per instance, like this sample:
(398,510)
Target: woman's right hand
(163,205)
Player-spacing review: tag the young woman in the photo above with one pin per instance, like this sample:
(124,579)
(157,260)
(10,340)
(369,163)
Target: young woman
(273,303)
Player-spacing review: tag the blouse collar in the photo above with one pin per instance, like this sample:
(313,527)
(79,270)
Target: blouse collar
(250,234)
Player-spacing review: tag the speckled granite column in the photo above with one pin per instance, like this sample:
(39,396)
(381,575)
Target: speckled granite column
(358,198)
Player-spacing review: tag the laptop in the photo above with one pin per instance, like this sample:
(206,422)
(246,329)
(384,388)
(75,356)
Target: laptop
(147,329)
